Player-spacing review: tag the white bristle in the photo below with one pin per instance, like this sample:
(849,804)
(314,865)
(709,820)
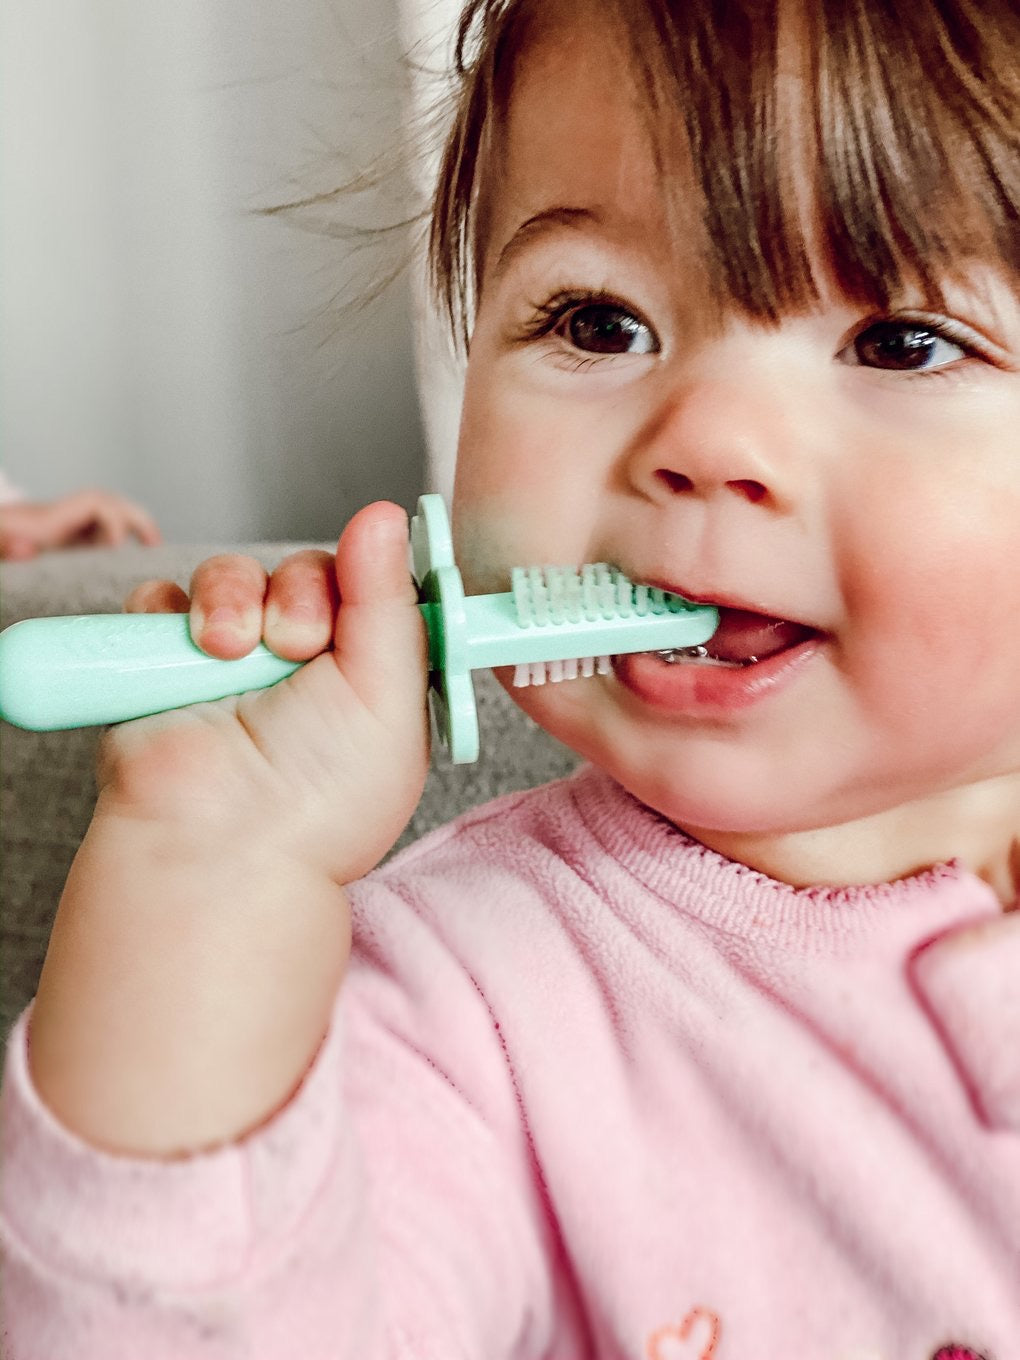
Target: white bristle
(607,592)
(547,596)
(624,597)
(575,608)
(539,595)
(555,580)
(589,593)
(529,673)
(522,598)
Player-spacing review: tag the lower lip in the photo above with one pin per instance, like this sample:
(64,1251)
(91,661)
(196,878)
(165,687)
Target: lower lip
(698,690)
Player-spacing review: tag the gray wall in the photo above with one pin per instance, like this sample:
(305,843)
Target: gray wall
(158,336)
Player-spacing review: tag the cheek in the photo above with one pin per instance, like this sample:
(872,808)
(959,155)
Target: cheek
(516,435)
(528,486)
(932,584)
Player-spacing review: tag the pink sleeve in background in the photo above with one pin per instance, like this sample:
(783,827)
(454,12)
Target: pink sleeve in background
(9,493)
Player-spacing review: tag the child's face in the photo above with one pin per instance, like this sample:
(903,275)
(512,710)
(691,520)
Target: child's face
(794,471)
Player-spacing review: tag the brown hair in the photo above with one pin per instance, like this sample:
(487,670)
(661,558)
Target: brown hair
(909,114)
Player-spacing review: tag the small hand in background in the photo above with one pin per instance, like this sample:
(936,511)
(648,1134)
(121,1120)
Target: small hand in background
(84,518)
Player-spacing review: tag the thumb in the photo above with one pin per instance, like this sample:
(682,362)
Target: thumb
(380,642)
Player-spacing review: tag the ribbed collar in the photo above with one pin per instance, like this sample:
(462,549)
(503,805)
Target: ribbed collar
(739,901)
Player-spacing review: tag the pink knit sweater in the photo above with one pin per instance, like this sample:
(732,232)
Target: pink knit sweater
(590,1091)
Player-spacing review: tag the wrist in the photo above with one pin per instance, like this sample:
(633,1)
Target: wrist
(188,985)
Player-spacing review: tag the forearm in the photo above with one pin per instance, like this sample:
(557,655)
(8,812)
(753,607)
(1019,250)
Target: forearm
(186,989)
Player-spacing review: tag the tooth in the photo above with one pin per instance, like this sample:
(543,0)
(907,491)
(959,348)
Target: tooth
(522,675)
(673,654)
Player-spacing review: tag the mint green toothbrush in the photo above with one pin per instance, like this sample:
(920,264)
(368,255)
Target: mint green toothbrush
(554,624)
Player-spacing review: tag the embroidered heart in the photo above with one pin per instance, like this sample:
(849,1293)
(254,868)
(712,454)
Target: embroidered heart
(694,1339)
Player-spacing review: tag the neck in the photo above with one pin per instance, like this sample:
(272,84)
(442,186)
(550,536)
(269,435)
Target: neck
(978,825)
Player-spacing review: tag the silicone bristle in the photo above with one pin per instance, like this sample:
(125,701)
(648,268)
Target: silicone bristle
(540,672)
(547,596)
(552,595)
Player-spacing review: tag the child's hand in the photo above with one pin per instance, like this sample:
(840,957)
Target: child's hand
(329,763)
(204,931)
(99,518)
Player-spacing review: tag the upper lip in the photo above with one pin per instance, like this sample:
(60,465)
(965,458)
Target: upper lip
(722,599)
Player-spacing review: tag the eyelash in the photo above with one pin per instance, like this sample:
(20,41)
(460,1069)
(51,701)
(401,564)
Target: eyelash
(944,328)
(546,316)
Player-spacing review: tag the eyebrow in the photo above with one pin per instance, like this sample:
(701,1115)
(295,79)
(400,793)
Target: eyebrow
(541,224)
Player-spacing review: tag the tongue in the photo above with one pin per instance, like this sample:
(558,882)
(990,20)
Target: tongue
(742,634)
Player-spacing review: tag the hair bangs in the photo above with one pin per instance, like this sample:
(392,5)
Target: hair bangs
(846,145)
(918,115)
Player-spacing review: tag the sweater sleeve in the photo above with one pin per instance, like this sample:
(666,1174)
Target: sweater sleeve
(386,1211)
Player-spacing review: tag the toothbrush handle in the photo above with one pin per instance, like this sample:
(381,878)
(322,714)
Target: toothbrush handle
(88,670)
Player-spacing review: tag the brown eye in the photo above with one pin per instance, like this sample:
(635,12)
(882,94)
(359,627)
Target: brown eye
(604,329)
(905,345)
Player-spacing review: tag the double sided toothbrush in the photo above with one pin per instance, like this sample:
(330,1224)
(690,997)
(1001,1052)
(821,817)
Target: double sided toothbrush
(554,624)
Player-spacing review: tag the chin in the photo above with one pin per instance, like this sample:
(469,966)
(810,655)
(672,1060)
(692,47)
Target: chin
(718,790)
(723,811)
(714,780)
(729,792)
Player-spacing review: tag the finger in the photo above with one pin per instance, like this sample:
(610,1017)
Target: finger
(132,521)
(145,528)
(93,533)
(17,548)
(74,518)
(93,517)
(227,593)
(109,523)
(157,597)
(110,527)
(301,605)
(142,525)
(380,631)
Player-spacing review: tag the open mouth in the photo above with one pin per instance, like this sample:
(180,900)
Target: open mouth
(742,639)
(749,653)
(750,657)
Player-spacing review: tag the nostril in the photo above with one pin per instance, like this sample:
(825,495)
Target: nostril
(675,481)
(679,482)
(754,491)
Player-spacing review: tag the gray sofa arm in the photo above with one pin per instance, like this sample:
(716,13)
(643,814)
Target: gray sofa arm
(48,784)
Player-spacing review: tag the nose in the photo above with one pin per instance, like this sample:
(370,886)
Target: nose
(710,438)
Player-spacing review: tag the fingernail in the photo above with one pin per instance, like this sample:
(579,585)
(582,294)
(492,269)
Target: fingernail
(227,619)
(300,619)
